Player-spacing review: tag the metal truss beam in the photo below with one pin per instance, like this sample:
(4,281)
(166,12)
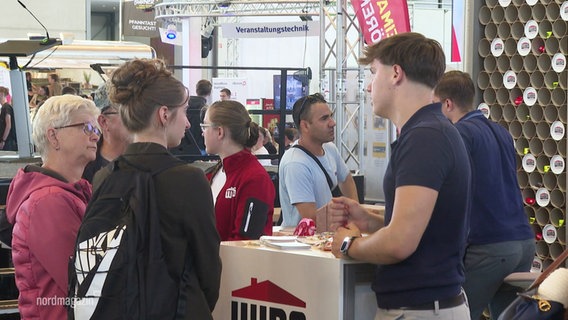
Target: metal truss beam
(225,8)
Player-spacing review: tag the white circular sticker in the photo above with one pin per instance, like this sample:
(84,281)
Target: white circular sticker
(524,46)
(532,2)
(484,108)
(531,29)
(557,164)
(536,265)
(549,233)
(557,130)
(509,79)
(564,11)
(529,162)
(542,197)
(497,47)
(529,96)
(504,3)
(558,62)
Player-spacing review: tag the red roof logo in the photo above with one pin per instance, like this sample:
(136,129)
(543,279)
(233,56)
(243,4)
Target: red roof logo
(268,292)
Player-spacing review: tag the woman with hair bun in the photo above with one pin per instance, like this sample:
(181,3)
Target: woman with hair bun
(153,108)
(242,190)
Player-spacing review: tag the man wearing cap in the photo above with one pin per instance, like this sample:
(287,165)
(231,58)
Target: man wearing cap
(500,240)
(115,138)
(303,185)
(418,245)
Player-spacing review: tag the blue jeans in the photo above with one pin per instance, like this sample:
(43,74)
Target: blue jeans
(485,268)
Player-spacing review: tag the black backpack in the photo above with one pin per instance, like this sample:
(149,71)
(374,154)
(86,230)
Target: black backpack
(118,270)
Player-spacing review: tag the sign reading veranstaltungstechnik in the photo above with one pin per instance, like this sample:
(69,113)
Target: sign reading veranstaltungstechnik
(271,30)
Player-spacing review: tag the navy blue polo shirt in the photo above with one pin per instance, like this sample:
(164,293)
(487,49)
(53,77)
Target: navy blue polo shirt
(429,152)
(497,212)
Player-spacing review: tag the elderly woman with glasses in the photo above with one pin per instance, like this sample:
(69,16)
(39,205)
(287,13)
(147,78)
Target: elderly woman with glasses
(242,190)
(46,204)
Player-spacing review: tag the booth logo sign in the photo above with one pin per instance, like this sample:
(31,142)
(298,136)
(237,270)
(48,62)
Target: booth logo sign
(258,301)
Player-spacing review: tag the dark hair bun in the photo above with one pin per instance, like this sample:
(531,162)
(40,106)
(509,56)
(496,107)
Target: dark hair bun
(129,81)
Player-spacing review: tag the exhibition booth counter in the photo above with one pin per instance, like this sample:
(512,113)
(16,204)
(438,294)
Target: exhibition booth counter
(282,278)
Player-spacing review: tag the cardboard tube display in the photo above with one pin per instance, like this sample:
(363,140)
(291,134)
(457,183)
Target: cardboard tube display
(541,249)
(536,148)
(503,64)
(550,113)
(561,146)
(490,30)
(549,233)
(524,46)
(559,28)
(542,196)
(564,11)
(530,96)
(537,46)
(503,99)
(528,163)
(543,129)
(523,79)
(564,43)
(484,15)
(543,63)
(538,12)
(516,63)
(510,47)
(557,130)
(509,77)
(496,112)
(511,14)
(562,79)
(489,95)
(529,62)
(529,197)
(562,181)
(557,217)
(561,235)
(558,62)
(549,180)
(552,45)
(557,198)
(556,164)
(535,180)
(523,178)
(545,29)
(516,98)
(555,249)
(558,97)
(542,216)
(490,65)
(497,14)
(551,79)
(517,30)
(529,129)
(552,11)
(537,80)
(516,129)
(536,114)
(484,48)
(504,30)
(525,12)
(521,144)
(562,114)
(543,96)
(485,110)
(531,29)
(537,263)
(549,148)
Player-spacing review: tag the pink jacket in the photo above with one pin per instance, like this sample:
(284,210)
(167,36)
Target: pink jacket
(46,212)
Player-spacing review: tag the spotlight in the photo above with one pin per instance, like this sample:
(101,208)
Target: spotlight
(171,32)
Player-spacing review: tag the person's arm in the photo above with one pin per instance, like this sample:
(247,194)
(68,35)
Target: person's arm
(348,187)
(53,226)
(7,128)
(412,211)
(260,188)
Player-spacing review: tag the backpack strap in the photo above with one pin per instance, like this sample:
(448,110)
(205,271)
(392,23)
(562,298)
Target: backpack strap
(553,266)
(329,182)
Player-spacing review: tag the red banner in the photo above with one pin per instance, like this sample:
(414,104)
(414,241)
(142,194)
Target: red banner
(381,19)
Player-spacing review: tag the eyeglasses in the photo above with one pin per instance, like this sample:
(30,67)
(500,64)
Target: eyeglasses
(88,128)
(313,98)
(207,125)
(109,113)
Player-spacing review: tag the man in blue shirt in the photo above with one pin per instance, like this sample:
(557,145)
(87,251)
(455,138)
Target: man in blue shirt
(500,239)
(419,245)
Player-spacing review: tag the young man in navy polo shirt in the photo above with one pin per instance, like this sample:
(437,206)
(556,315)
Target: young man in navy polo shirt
(419,244)
(500,239)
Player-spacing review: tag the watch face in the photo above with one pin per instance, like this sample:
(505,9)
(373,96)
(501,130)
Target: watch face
(345,245)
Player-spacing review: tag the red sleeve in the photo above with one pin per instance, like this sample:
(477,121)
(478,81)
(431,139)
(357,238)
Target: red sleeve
(54,222)
(260,187)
